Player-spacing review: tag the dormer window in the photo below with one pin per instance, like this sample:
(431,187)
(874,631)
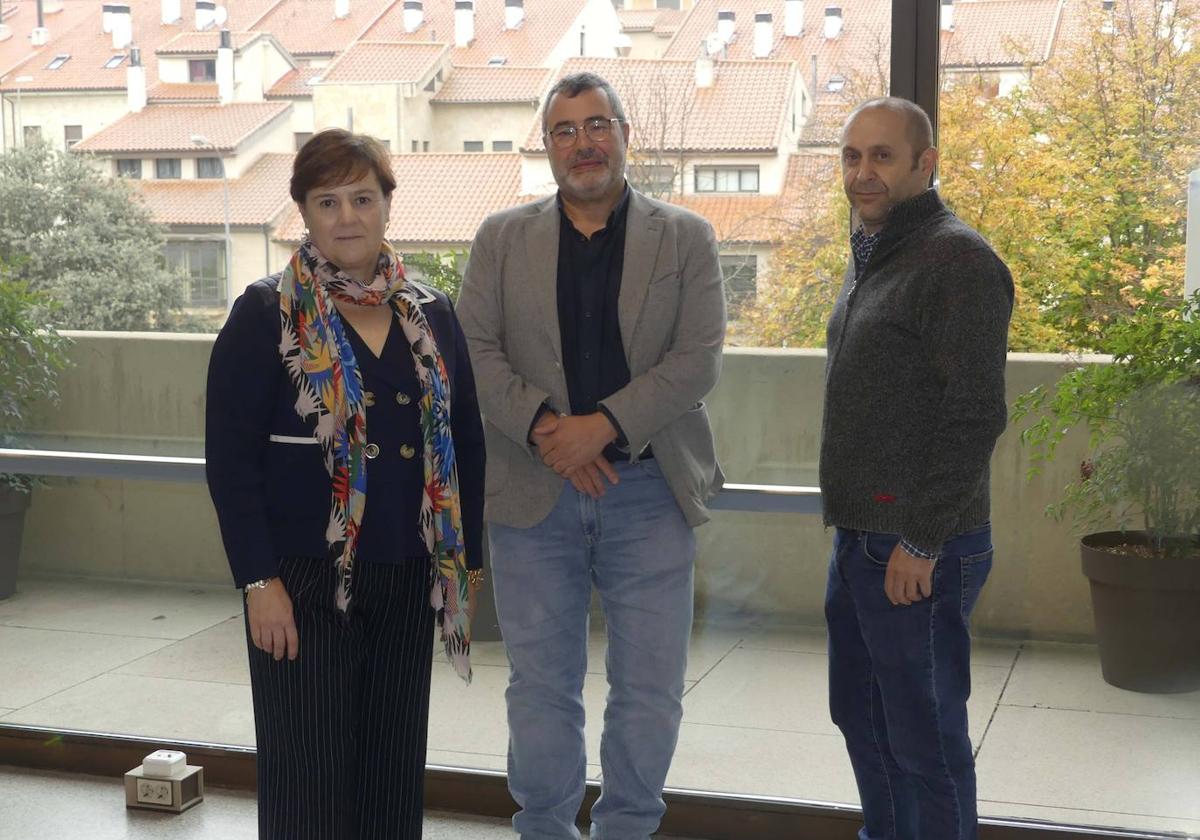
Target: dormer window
(202,70)
(58,61)
(114,62)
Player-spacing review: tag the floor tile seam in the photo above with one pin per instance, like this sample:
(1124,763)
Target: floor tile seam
(720,659)
(1012,667)
(982,800)
(760,728)
(1099,712)
(117,673)
(785,650)
(173,643)
(168,639)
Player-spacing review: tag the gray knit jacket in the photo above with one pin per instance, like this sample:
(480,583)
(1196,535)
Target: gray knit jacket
(914,381)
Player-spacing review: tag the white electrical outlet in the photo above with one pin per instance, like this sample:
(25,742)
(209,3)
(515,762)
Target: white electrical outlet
(153,792)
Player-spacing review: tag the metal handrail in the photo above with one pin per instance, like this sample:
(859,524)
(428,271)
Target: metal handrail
(756,498)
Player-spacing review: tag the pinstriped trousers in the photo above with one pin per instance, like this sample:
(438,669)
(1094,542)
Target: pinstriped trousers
(341,730)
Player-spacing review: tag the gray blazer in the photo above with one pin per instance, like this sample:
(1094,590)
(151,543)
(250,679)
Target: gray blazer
(672,315)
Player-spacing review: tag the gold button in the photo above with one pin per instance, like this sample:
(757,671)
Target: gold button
(403,398)
(407,451)
(369,398)
(372,450)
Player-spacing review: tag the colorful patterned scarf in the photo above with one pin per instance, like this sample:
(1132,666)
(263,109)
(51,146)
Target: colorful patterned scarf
(321,363)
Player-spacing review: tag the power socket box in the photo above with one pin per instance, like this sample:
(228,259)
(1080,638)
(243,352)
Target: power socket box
(175,794)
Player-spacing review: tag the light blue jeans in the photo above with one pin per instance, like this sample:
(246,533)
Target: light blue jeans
(635,546)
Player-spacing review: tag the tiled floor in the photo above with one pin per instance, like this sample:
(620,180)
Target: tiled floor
(65,806)
(1054,741)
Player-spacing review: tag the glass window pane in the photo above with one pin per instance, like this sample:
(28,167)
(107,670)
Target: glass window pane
(749,180)
(168,168)
(706,179)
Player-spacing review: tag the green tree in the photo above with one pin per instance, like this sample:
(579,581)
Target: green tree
(84,241)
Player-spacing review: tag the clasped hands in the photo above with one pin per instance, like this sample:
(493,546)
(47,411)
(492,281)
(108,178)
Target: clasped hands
(573,446)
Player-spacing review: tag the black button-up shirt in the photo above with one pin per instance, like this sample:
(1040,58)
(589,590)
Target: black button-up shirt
(589,285)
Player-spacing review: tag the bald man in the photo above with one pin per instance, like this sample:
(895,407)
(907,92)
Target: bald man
(914,402)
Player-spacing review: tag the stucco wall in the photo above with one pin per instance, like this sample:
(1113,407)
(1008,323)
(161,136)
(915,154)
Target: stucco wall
(751,567)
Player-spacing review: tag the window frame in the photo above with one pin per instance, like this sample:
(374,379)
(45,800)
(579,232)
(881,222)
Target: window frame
(208,161)
(174,167)
(717,170)
(134,164)
(206,79)
(181,260)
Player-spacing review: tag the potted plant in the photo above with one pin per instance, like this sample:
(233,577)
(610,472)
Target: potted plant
(1141,475)
(31,356)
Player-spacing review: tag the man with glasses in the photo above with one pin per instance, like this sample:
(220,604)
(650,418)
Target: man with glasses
(595,320)
(914,402)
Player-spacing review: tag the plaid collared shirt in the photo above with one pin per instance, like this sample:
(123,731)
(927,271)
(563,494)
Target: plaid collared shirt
(862,244)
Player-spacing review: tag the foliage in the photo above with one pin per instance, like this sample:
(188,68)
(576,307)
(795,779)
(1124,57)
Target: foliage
(441,271)
(1078,180)
(31,356)
(1142,413)
(83,241)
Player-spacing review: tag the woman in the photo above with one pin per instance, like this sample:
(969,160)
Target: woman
(345,461)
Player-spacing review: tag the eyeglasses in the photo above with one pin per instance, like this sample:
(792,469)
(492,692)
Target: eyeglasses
(597,129)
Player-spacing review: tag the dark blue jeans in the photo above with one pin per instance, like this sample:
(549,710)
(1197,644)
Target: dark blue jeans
(899,679)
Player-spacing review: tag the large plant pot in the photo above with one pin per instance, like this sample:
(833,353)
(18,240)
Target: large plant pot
(1147,614)
(12,524)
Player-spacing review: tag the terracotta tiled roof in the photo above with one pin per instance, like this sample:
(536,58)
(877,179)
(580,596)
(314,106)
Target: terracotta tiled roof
(380,61)
(1080,18)
(1001,32)
(744,110)
(546,24)
(168,128)
(89,47)
(440,198)
(823,125)
(200,43)
(21,17)
(256,198)
(861,48)
(638,20)
(308,27)
(493,84)
(295,83)
(758,219)
(669,21)
(661,21)
(182,92)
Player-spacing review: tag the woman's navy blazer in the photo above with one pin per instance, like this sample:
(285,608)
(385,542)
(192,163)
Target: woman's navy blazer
(270,487)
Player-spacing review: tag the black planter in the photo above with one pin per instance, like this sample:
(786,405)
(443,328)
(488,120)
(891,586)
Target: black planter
(12,525)
(1147,614)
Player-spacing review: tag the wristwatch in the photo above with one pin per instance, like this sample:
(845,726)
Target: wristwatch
(258,584)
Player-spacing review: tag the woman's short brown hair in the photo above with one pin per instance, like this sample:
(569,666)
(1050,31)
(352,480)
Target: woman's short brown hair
(335,156)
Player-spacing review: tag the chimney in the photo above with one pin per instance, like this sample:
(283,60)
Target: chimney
(514,13)
(206,14)
(764,34)
(947,15)
(172,11)
(225,68)
(414,15)
(583,39)
(341,9)
(135,81)
(793,18)
(106,18)
(833,22)
(726,25)
(464,22)
(1108,26)
(705,72)
(122,26)
(40,34)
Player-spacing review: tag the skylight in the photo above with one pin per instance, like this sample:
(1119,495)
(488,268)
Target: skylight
(58,61)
